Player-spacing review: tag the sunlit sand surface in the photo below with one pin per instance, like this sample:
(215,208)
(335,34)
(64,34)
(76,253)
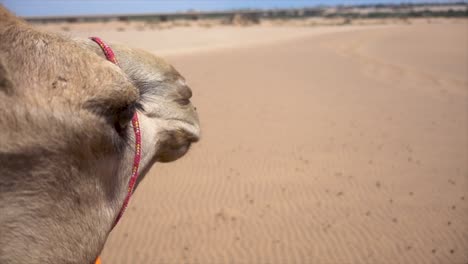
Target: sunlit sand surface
(334,144)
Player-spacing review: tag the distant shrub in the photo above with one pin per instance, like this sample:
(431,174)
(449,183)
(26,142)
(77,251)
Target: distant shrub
(347,21)
(240,19)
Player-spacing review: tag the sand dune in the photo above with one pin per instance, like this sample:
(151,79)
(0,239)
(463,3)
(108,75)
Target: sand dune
(344,147)
(184,40)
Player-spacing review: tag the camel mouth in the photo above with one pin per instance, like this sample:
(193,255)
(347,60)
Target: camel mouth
(190,130)
(177,141)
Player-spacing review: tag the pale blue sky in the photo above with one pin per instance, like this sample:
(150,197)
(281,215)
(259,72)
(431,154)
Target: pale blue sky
(75,7)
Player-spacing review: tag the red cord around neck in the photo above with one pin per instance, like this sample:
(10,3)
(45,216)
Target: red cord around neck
(136,129)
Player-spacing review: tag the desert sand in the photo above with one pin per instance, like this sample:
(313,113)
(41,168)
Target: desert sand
(339,144)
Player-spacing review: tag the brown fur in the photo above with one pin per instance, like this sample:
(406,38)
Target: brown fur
(66,143)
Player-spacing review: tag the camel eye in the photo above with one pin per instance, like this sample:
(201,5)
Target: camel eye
(124,117)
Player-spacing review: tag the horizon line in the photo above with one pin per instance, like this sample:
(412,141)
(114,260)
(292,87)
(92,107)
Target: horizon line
(25,8)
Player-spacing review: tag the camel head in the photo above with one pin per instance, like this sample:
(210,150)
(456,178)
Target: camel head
(168,119)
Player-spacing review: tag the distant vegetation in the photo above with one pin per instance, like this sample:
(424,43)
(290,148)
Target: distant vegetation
(245,17)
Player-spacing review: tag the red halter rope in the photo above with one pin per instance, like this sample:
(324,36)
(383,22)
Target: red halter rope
(136,128)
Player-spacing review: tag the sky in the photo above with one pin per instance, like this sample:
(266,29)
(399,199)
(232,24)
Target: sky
(89,7)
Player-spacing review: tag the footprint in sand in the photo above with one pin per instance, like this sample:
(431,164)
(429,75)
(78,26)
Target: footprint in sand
(378,184)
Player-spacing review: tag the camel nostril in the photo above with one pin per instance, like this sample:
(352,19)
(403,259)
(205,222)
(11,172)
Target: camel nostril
(184,91)
(183,101)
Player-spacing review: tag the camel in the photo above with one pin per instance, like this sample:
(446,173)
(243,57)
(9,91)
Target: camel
(66,140)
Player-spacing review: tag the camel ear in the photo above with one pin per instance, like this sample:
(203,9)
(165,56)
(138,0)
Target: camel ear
(8,16)
(6,85)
